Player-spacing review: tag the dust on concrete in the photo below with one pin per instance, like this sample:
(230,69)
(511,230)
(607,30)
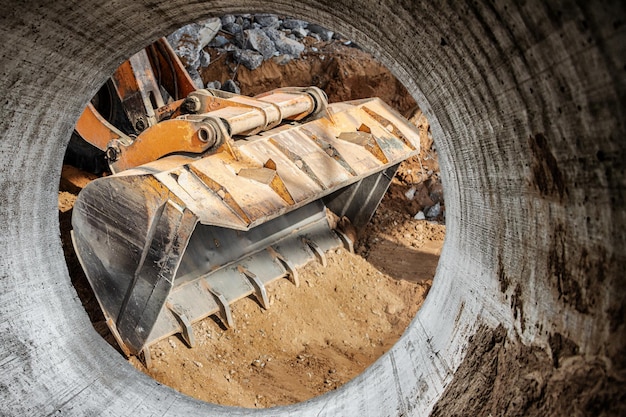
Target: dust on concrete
(503,377)
(547,177)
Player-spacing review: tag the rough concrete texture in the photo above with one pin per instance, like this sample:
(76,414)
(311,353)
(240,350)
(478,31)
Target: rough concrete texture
(526,104)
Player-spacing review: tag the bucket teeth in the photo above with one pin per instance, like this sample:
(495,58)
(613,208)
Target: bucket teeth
(185,324)
(259,287)
(224,306)
(290,269)
(213,292)
(319,254)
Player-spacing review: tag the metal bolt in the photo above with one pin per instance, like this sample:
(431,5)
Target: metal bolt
(112,153)
(191,105)
(207,134)
(140,125)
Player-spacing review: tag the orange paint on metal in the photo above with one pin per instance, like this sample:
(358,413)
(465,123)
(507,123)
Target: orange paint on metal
(162,139)
(169,111)
(270,164)
(180,78)
(125,80)
(94,128)
(389,126)
(279,188)
(222,192)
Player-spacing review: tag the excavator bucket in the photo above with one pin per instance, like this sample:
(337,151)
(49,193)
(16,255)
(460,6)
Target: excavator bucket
(219,195)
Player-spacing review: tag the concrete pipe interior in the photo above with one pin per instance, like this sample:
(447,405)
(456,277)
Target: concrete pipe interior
(526,104)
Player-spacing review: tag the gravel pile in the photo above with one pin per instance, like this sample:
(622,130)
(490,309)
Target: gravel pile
(250,38)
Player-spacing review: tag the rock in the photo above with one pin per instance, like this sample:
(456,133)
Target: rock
(233,28)
(215,85)
(436,191)
(433,211)
(282,59)
(205,59)
(392,308)
(195,77)
(259,41)
(249,59)
(267,20)
(288,46)
(300,32)
(273,34)
(230,86)
(294,24)
(218,42)
(324,34)
(246,23)
(422,196)
(189,40)
(419,216)
(410,194)
(198,364)
(228,19)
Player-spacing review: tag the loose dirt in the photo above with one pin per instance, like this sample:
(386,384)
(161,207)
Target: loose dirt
(311,340)
(344,316)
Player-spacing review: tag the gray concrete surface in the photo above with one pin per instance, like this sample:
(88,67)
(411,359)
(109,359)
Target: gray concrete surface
(526,104)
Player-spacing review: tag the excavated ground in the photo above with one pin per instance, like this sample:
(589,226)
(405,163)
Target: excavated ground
(344,316)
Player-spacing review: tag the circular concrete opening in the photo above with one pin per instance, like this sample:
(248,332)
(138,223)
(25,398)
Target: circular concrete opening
(526,104)
(346,315)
